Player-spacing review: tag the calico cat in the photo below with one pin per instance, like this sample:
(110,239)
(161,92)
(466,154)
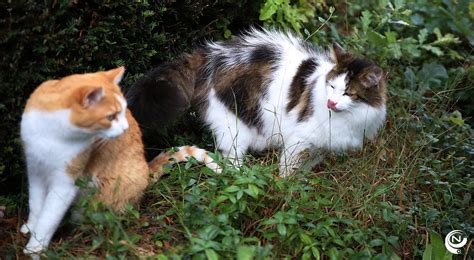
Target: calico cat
(268,89)
(80,126)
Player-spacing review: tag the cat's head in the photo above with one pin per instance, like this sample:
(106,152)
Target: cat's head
(96,103)
(354,82)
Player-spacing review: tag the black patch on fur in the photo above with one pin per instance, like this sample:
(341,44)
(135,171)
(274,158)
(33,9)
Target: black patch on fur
(298,85)
(357,65)
(264,54)
(243,96)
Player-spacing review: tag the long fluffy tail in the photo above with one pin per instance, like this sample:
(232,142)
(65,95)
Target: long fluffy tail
(182,155)
(165,92)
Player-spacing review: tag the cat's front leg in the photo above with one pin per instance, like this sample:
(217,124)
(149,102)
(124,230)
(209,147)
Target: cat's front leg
(36,196)
(60,195)
(293,157)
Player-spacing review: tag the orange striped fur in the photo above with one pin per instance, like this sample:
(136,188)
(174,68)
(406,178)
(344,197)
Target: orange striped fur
(182,155)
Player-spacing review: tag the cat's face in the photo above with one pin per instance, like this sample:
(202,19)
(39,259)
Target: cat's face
(354,82)
(96,104)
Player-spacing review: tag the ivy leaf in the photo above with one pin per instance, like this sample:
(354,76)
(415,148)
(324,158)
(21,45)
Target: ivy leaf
(435,50)
(422,35)
(268,10)
(365,19)
(376,38)
(410,77)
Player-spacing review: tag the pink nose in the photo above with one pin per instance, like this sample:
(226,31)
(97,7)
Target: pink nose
(331,104)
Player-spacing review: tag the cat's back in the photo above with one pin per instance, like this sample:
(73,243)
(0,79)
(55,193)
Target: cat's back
(258,46)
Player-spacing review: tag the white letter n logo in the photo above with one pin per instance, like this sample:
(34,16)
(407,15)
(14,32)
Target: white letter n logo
(456,238)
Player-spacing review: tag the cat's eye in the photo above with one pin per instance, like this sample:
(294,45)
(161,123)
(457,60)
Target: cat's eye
(111,117)
(352,95)
(331,86)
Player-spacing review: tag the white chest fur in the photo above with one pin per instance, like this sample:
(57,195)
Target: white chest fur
(50,140)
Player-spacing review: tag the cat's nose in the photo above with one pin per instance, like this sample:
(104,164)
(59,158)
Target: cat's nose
(331,104)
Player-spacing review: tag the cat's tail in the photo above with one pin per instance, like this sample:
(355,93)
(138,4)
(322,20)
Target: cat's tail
(165,92)
(183,154)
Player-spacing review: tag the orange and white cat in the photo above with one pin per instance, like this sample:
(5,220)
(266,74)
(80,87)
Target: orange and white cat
(80,126)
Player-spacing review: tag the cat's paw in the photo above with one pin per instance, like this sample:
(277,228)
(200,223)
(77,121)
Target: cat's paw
(34,247)
(25,229)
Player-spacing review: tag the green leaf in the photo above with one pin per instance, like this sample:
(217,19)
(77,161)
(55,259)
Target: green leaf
(252,190)
(435,50)
(232,199)
(439,250)
(211,254)
(240,194)
(245,252)
(376,242)
(306,256)
(391,37)
(399,4)
(427,254)
(365,20)
(232,189)
(221,198)
(281,229)
(162,257)
(448,256)
(316,253)
(422,35)
(456,118)
(410,77)
(376,38)
(333,253)
(305,238)
(268,10)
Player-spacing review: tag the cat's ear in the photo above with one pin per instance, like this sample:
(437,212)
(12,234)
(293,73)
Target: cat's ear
(93,96)
(372,76)
(115,75)
(337,51)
